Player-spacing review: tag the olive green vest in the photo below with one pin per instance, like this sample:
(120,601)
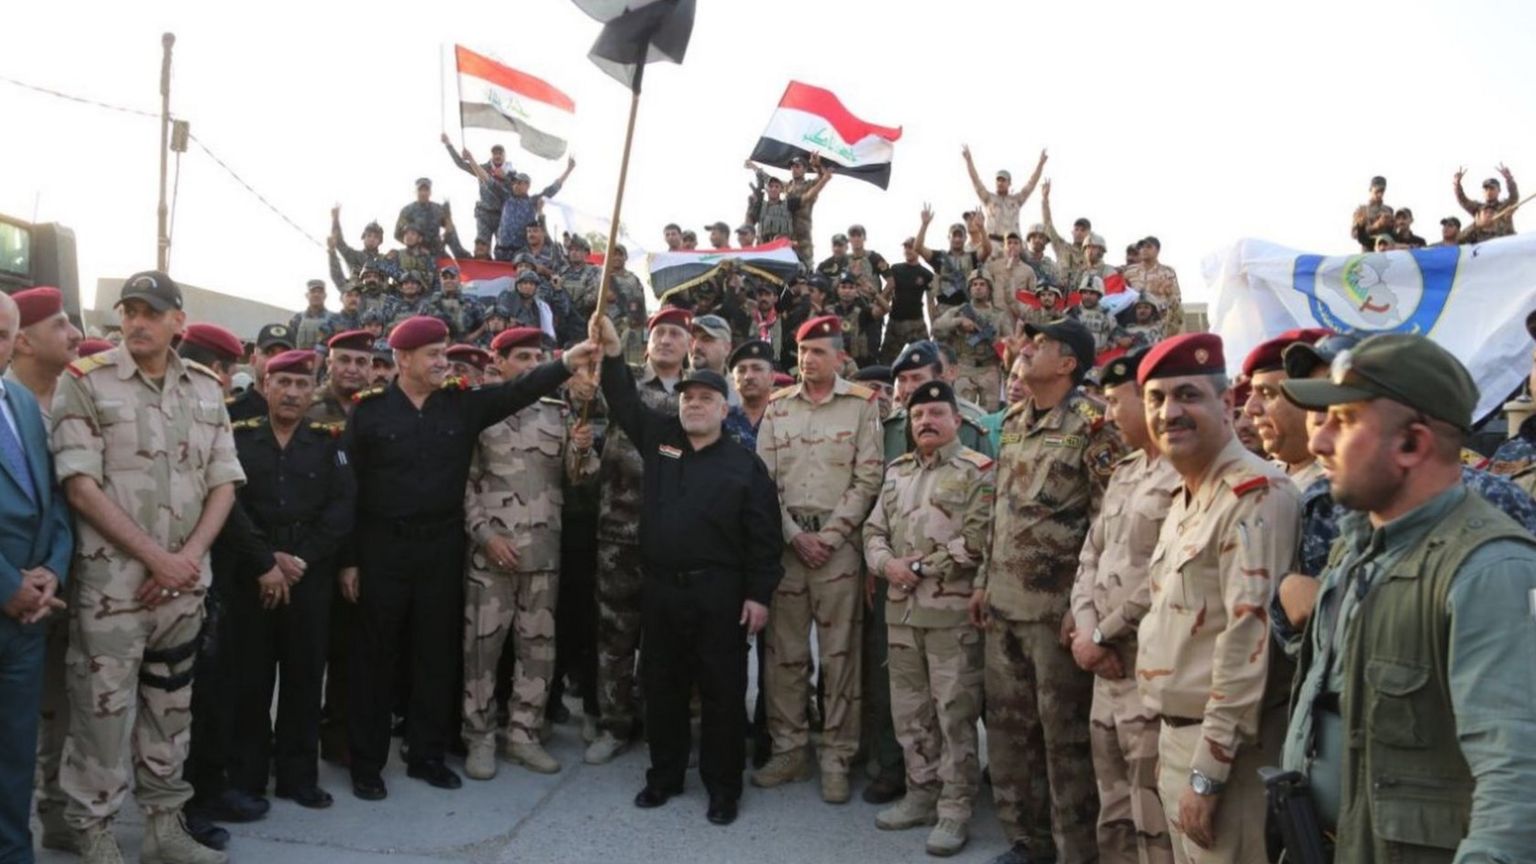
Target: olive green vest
(1407,790)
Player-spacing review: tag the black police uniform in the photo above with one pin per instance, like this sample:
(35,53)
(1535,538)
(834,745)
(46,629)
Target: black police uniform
(411,466)
(300,498)
(718,545)
(250,405)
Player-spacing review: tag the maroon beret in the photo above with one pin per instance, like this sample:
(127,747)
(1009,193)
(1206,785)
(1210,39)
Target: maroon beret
(38,304)
(352,340)
(1187,354)
(93,346)
(823,327)
(416,331)
(476,357)
(517,337)
(298,362)
(670,315)
(783,379)
(1270,355)
(216,339)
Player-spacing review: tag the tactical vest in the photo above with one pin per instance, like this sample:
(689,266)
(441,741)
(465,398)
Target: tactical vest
(1407,790)
(311,330)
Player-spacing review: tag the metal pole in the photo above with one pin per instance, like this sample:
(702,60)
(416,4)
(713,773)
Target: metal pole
(163,238)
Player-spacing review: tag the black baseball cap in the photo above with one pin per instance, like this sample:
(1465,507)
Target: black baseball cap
(1071,333)
(916,355)
(754,349)
(274,334)
(933,391)
(705,378)
(154,288)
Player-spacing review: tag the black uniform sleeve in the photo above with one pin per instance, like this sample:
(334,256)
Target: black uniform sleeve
(489,405)
(247,541)
(763,562)
(642,425)
(330,531)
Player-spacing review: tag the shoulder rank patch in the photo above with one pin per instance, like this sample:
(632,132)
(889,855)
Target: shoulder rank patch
(862,392)
(781,393)
(670,452)
(455,382)
(198,367)
(550,400)
(1249,485)
(902,459)
(980,460)
(80,368)
(248,423)
(368,393)
(332,429)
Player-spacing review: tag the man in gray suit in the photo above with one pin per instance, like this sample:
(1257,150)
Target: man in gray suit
(35,546)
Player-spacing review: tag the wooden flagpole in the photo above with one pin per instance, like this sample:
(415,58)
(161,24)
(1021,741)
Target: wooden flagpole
(618,199)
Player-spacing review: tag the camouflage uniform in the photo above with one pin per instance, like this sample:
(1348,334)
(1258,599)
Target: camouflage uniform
(581,283)
(157,452)
(1203,657)
(1516,458)
(1047,272)
(800,218)
(1052,467)
(1160,283)
(310,330)
(1100,323)
(895,441)
(978,375)
(1111,595)
(1010,277)
(941,511)
(626,306)
(425,216)
(825,460)
(1071,259)
(464,315)
(515,489)
(418,258)
(400,307)
(619,579)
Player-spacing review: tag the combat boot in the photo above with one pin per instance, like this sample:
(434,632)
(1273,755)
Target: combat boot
(589,731)
(834,787)
(480,763)
(947,838)
(98,846)
(57,834)
(914,809)
(789,767)
(166,841)
(533,757)
(604,749)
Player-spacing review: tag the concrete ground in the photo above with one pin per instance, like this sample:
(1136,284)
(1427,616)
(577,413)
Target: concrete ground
(582,815)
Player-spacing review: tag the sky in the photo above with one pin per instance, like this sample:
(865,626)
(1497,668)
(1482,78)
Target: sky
(1200,123)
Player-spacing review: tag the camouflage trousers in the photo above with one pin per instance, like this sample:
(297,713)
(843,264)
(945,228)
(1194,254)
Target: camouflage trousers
(130,699)
(980,384)
(935,700)
(1239,825)
(54,725)
(831,597)
(498,605)
(1132,828)
(1038,705)
(619,580)
(898,334)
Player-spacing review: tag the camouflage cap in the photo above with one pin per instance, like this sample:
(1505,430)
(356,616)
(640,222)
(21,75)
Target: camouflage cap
(839,239)
(1037,228)
(1405,368)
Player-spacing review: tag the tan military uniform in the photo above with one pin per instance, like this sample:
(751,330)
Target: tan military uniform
(1204,649)
(1160,283)
(825,459)
(978,372)
(1111,595)
(515,490)
(941,510)
(1002,211)
(1010,277)
(157,449)
(1052,467)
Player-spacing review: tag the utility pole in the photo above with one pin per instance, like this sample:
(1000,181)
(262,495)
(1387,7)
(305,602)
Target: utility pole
(163,238)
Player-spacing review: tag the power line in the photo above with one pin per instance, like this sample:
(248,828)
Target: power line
(204,147)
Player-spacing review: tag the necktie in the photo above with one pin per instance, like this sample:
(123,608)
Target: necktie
(16,459)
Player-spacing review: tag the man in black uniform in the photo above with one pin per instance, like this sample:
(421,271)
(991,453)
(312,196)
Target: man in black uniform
(300,498)
(410,445)
(271,341)
(710,566)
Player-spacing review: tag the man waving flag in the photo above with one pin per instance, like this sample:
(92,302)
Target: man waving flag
(493,96)
(812,120)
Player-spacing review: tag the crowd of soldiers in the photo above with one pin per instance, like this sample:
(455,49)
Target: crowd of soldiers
(1145,581)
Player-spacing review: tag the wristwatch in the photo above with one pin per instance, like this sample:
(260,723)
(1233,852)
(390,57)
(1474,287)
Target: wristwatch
(1098,637)
(916,567)
(1203,785)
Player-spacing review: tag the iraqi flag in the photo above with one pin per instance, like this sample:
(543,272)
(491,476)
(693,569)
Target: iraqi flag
(812,120)
(678,271)
(493,96)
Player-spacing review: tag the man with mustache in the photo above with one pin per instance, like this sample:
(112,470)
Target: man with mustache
(347,368)
(301,499)
(1203,651)
(1280,424)
(925,539)
(1054,459)
(143,447)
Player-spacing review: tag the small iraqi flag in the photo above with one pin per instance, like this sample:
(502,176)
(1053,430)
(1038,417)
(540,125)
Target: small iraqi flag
(493,96)
(812,120)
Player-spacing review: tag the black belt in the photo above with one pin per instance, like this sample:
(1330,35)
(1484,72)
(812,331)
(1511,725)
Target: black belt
(680,578)
(1181,722)
(808,523)
(417,526)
